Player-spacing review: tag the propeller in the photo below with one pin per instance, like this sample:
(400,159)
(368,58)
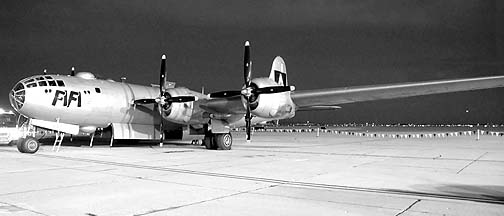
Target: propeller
(164,100)
(161,105)
(247,91)
(250,91)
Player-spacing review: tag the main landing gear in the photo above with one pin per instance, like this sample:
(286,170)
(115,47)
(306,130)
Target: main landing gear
(219,141)
(28,145)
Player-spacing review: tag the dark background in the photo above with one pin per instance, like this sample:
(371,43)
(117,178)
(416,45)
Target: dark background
(324,43)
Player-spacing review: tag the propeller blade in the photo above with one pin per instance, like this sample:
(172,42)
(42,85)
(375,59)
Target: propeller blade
(247,65)
(225,94)
(145,101)
(248,118)
(162,75)
(180,99)
(161,132)
(273,89)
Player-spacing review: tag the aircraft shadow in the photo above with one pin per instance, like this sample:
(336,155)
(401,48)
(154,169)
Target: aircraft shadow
(490,192)
(78,141)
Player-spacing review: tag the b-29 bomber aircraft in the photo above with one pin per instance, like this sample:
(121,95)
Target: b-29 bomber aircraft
(82,103)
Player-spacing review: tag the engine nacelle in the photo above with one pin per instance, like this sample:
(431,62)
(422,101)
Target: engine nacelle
(178,112)
(87,129)
(278,105)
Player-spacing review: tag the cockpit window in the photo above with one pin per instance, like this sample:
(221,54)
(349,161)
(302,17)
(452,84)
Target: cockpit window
(17,96)
(19,87)
(30,85)
(52,82)
(42,83)
(48,77)
(60,83)
(39,78)
(30,80)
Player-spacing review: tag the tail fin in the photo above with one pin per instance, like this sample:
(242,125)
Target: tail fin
(278,71)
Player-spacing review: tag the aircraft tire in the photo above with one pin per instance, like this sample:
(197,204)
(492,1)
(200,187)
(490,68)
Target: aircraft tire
(209,142)
(20,145)
(223,141)
(29,145)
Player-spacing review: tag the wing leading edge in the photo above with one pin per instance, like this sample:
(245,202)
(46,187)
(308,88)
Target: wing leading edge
(336,96)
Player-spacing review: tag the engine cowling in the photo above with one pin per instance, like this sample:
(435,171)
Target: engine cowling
(178,112)
(278,105)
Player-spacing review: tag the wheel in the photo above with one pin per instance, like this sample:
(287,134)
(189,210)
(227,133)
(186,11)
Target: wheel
(223,141)
(209,143)
(28,145)
(20,145)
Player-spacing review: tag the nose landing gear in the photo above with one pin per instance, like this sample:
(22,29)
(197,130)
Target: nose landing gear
(28,145)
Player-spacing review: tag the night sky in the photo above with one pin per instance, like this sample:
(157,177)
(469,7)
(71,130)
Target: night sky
(324,43)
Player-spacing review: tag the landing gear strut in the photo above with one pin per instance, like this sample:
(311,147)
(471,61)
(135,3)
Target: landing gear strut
(220,141)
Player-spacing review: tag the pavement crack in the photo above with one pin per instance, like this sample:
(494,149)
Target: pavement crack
(199,202)
(409,207)
(50,188)
(367,155)
(470,163)
(317,200)
(11,208)
(27,171)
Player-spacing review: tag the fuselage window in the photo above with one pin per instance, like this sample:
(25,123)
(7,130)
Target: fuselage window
(98,90)
(29,85)
(60,83)
(42,83)
(52,82)
(48,77)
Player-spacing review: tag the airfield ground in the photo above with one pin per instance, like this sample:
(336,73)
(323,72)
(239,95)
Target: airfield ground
(276,174)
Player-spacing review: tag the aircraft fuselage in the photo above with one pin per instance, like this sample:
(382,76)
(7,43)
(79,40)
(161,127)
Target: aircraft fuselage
(81,101)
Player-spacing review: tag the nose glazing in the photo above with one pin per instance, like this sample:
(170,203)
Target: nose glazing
(17,96)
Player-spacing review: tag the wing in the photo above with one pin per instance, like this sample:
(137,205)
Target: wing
(231,105)
(336,96)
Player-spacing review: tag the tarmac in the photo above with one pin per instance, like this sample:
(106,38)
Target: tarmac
(275,174)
